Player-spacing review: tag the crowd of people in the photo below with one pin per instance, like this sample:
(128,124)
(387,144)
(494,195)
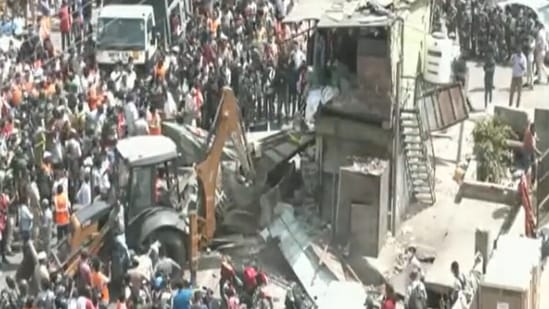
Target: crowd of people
(61,115)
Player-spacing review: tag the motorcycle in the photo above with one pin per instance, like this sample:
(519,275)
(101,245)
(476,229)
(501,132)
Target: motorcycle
(296,298)
(262,299)
(9,298)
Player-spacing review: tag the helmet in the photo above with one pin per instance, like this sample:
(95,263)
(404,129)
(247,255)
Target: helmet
(158,282)
(23,286)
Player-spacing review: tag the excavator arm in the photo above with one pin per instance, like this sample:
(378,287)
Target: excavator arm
(227,125)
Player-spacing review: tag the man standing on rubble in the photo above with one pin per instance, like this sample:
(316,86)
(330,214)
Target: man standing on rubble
(416,294)
(460,282)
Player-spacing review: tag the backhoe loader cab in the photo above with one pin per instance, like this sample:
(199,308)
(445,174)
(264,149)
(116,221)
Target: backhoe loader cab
(142,163)
(144,166)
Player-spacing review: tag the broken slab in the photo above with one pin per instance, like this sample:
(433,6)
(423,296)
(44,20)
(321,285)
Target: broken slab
(267,203)
(516,118)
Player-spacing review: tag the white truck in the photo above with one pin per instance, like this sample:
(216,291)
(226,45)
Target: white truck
(138,29)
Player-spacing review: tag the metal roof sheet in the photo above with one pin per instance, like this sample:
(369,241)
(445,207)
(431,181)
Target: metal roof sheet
(357,13)
(338,13)
(319,283)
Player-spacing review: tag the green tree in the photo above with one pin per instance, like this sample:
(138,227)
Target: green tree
(491,152)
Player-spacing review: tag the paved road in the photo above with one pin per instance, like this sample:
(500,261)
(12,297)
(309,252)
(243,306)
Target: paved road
(530,98)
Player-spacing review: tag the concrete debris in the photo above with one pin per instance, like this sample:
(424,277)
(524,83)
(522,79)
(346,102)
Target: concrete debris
(309,173)
(267,203)
(240,221)
(370,166)
(245,246)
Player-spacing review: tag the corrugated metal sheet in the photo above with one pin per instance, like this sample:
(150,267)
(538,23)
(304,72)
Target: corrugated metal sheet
(357,20)
(334,14)
(318,282)
(353,14)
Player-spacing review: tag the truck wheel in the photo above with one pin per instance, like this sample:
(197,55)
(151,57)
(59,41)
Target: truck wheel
(173,241)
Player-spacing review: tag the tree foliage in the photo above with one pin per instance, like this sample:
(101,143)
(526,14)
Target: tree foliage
(492,154)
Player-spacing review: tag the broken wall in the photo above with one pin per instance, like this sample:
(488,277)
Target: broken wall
(362,206)
(338,140)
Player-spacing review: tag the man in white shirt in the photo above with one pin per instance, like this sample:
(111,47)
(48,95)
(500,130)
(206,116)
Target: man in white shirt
(83,197)
(141,126)
(518,64)
(26,219)
(130,114)
(131,77)
(539,53)
(416,294)
(101,179)
(61,180)
(298,56)
(170,107)
(116,73)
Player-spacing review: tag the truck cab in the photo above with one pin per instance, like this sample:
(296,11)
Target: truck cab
(125,31)
(138,29)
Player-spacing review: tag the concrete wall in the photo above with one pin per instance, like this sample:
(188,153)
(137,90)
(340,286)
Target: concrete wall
(361,213)
(401,194)
(516,118)
(416,29)
(341,139)
(541,119)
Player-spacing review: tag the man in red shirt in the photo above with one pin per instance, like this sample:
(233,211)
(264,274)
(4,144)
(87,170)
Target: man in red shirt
(530,152)
(389,300)
(65,25)
(4,203)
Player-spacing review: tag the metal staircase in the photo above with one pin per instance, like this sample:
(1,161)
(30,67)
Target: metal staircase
(419,155)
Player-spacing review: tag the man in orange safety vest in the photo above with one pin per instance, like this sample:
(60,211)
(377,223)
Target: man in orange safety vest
(62,212)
